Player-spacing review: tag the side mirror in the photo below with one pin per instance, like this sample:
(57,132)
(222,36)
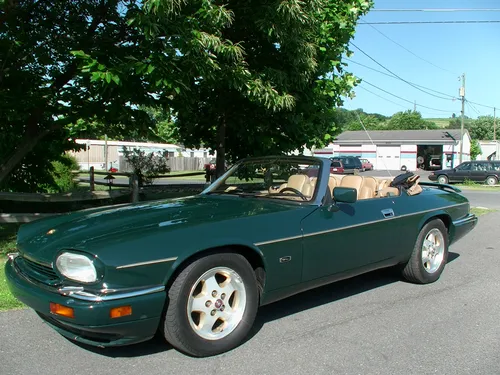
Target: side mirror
(345,195)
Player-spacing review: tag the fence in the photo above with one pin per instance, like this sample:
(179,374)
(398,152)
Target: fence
(175,163)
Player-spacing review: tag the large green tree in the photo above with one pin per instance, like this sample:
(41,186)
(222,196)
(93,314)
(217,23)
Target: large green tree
(77,67)
(409,120)
(251,77)
(282,94)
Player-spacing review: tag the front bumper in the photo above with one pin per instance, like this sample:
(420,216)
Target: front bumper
(92,323)
(432,177)
(463,226)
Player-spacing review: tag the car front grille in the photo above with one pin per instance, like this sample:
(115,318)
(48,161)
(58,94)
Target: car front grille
(36,270)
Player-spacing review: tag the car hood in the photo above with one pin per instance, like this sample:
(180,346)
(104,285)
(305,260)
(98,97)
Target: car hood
(43,238)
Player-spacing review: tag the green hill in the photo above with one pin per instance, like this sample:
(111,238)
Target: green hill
(441,122)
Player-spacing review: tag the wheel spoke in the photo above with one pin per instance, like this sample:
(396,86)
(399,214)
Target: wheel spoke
(199,305)
(210,284)
(228,289)
(208,323)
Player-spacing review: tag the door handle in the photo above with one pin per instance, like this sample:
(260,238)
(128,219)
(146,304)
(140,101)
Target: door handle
(388,212)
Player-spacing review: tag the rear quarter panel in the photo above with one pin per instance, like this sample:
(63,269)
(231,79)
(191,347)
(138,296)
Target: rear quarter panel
(414,212)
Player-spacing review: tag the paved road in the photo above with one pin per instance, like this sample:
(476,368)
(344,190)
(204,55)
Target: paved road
(374,324)
(479,198)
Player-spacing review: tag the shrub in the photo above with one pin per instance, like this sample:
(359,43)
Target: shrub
(62,174)
(147,165)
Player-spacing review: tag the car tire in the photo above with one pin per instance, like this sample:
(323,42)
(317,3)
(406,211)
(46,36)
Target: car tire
(203,324)
(491,180)
(429,255)
(442,179)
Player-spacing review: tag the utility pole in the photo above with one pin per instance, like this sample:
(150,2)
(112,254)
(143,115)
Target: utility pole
(494,124)
(415,106)
(462,95)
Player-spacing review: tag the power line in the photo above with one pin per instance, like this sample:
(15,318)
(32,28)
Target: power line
(426,22)
(438,10)
(406,49)
(482,105)
(381,97)
(427,88)
(394,74)
(470,107)
(474,108)
(390,75)
(406,100)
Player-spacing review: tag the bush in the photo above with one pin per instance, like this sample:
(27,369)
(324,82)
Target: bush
(147,165)
(62,174)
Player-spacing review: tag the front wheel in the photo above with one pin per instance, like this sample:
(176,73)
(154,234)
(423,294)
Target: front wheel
(442,179)
(212,305)
(429,255)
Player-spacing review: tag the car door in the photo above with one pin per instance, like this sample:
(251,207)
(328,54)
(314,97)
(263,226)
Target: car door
(479,171)
(357,235)
(462,172)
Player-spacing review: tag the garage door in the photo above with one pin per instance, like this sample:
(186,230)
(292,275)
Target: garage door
(388,157)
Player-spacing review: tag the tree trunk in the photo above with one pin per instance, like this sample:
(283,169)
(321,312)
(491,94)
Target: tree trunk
(220,160)
(26,145)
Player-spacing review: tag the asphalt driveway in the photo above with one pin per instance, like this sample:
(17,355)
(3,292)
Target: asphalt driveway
(374,324)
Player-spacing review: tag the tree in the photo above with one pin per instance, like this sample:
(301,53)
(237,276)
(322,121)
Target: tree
(481,128)
(409,120)
(475,149)
(282,94)
(93,65)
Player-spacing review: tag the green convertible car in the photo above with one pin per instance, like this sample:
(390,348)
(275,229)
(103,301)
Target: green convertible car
(196,269)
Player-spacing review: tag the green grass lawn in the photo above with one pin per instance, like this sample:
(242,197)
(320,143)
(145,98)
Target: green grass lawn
(481,187)
(7,245)
(481,211)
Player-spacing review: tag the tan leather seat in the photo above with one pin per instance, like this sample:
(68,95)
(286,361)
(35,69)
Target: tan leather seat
(382,184)
(369,188)
(388,192)
(301,183)
(333,182)
(352,182)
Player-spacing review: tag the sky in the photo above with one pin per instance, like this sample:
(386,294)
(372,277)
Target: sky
(439,55)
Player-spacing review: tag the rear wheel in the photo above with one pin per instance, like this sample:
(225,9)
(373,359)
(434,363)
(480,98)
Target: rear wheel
(212,305)
(429,255)
(491,180)
(442,179)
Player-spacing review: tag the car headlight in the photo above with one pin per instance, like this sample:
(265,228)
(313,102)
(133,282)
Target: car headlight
(76,267)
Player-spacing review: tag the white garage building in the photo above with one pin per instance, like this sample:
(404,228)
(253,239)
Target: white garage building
(393,149)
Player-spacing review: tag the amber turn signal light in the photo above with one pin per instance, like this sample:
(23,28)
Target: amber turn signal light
(118,312)
(62,310)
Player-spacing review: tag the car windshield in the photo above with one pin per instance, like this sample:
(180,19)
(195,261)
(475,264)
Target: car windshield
(336,164)
(284,178)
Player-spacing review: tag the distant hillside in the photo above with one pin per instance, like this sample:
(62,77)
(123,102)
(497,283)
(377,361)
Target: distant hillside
(441,122)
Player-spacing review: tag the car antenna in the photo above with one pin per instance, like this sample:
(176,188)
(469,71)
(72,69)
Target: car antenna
(373,143)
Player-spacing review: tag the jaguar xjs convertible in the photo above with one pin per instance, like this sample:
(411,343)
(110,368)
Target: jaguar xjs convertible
(196,269)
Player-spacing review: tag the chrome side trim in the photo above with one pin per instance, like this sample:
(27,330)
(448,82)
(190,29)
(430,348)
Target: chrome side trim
(12,256)
(171,259)
(354,225)
(90,297)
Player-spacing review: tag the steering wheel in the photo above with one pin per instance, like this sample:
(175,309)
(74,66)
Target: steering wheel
(293,190)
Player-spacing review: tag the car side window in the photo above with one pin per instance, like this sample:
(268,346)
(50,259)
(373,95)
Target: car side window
(464,167)
(476,167)
(496,165)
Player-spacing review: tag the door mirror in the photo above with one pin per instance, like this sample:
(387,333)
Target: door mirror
(345,195)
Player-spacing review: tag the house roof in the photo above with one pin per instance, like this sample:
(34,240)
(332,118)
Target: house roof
(423,137)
